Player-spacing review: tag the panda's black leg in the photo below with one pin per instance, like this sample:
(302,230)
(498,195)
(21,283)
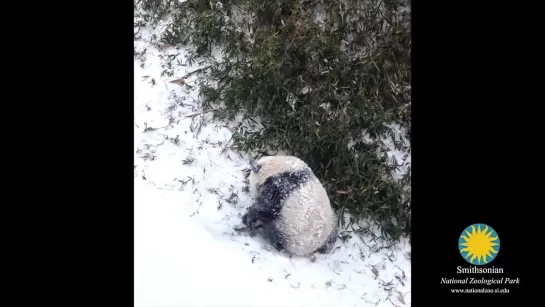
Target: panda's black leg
(324,249)
(273,236)
(256,215)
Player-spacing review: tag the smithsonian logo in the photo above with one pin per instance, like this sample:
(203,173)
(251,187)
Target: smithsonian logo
(479,244)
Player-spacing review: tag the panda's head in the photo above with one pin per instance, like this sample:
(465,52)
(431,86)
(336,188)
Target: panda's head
(270,166)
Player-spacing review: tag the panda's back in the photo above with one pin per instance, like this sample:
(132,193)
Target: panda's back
(306,219)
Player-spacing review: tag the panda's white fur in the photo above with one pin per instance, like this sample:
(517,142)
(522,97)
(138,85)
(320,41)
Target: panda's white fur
(302,221)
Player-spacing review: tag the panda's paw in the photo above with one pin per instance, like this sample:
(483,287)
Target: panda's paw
(249,221)
(278,246)
(324,249)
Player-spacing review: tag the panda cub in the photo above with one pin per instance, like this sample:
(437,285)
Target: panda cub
(291,206)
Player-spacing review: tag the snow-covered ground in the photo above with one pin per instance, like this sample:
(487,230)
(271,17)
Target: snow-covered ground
(189,196)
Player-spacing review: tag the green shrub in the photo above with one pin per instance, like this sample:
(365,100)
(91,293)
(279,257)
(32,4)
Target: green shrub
(316,82)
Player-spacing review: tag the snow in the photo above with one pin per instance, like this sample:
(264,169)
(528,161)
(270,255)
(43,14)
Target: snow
(189,196)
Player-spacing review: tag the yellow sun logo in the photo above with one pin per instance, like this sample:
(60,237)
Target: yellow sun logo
(479,244)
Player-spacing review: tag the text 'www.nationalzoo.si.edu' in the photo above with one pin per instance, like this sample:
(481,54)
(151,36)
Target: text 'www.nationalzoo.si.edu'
(480,290)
